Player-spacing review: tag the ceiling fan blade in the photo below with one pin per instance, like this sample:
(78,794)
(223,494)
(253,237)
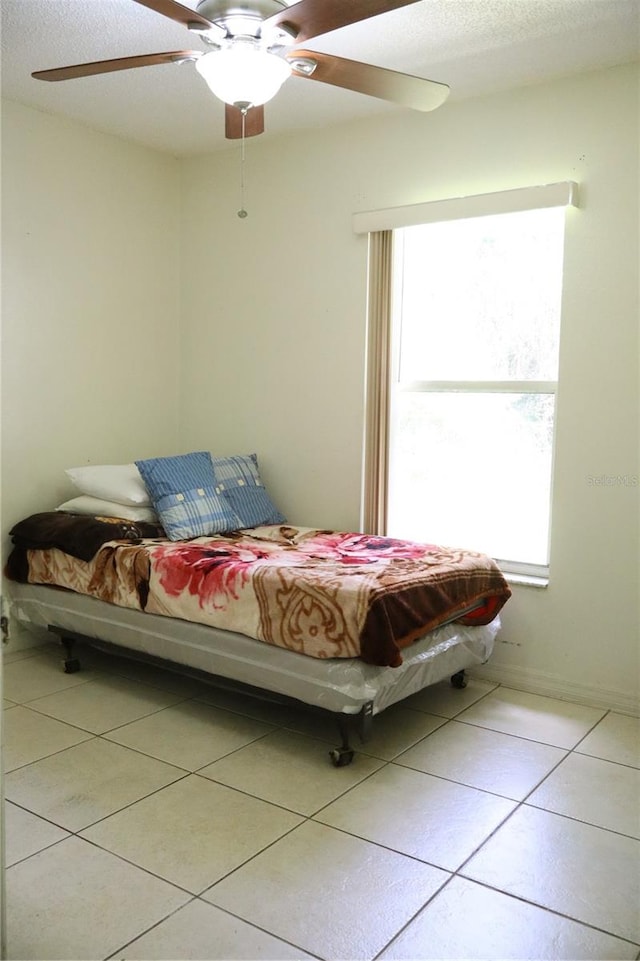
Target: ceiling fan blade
(253,124)
(310,18)
(185,15)
(110,66)
(400,88)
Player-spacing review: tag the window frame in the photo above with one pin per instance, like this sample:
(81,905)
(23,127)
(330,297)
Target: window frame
(382,353)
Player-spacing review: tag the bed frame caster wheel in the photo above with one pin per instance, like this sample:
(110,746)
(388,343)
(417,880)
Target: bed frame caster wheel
(459,680)
(71,665)
(341,757)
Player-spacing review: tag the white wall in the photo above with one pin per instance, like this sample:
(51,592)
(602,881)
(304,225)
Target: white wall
(90,301)
(274,333)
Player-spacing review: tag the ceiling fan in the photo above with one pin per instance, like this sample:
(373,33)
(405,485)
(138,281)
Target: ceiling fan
(249,53)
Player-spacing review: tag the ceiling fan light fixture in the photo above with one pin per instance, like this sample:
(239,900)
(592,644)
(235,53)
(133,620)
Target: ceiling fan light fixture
(243,73)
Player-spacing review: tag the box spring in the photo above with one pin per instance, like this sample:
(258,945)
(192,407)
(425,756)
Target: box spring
(341,685)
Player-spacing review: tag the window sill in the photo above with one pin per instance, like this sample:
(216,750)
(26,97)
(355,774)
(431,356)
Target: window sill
(526,580)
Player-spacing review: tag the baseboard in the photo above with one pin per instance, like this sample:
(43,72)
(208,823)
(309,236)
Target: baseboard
(538,682)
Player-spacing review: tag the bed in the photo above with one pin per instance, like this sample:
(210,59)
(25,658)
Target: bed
(342,621)
(187,561)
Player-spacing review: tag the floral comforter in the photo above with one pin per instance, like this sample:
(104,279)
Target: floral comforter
(322,593)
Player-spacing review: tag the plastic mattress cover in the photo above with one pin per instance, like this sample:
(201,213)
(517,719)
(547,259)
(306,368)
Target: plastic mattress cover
(342,685)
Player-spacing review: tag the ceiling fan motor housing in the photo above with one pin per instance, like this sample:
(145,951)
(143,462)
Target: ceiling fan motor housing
(247,15)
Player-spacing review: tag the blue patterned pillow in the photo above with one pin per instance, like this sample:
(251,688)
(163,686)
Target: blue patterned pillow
(183,492)
(238,480)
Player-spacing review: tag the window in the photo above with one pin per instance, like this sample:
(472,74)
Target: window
(473,324)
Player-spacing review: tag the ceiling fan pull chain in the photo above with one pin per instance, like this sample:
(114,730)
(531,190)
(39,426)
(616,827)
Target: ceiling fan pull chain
(242,213)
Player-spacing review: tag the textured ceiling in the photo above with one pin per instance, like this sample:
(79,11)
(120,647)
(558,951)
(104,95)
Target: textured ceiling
(475,46)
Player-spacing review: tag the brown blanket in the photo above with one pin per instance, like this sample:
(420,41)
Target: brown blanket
(79,535)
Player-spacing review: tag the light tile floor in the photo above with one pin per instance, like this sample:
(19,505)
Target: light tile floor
(150,816)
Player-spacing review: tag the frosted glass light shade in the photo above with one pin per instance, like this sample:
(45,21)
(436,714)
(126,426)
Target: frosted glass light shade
(243,74)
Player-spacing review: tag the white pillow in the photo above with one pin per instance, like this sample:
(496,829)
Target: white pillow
(101,508)
(121,483)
